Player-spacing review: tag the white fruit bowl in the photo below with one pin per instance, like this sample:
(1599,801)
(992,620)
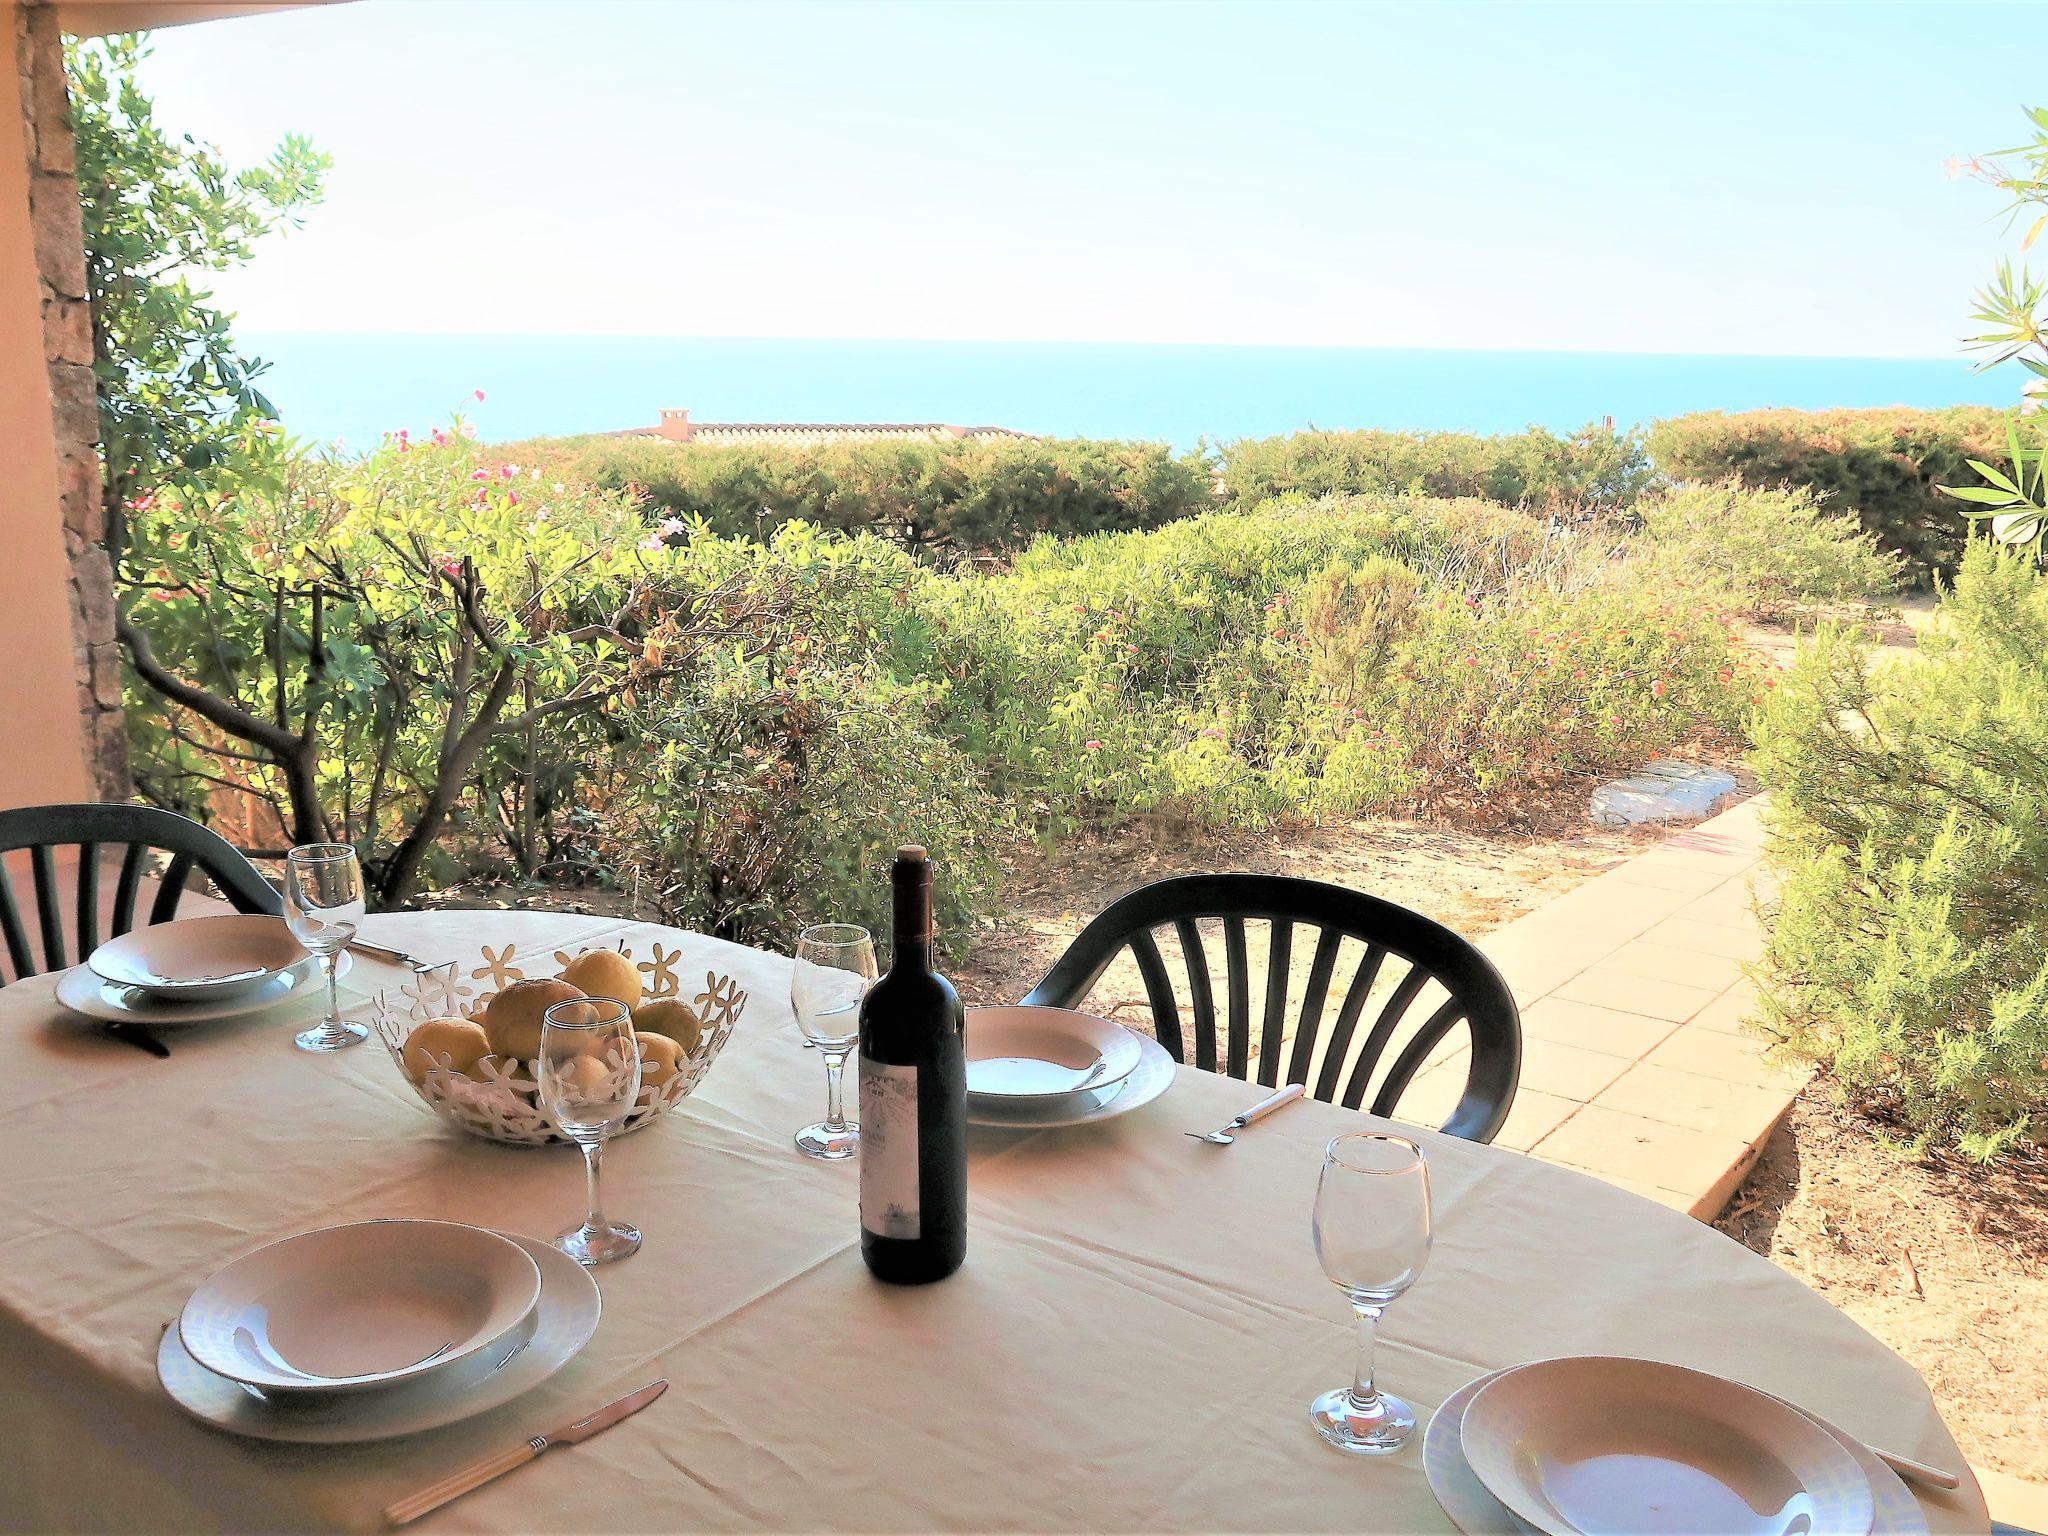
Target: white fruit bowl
(503,1103)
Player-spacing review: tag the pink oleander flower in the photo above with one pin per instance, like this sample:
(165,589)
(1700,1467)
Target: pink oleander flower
(440,438)
(452,568)
(511,498)
(479,396)
(479,474)
(1091,745)
(671,528)
(508,471)
(651,543)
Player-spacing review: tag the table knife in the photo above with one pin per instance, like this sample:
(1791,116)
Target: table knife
(470,1478)
(396,956)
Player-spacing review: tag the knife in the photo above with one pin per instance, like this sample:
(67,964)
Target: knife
(430,1499)
(396,956)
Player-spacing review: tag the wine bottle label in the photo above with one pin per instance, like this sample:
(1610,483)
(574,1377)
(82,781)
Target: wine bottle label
(888,1150)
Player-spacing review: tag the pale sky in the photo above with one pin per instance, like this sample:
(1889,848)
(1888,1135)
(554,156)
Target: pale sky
(1678,177)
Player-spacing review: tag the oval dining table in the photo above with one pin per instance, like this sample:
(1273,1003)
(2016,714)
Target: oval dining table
(1131,1346)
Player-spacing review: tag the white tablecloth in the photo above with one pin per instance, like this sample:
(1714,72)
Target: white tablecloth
(1132,1344)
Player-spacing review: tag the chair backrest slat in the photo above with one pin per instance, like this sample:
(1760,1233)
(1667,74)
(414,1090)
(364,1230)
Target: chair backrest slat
(137,830)
(19,956)
(1158,992)
(1237,980)
(1199,992)
(1279,956)
(1425,1040)
(125,886)
(170,889)
(43,860)
(1362,982)
(1315,997)
(1382,1031)
(1321,1044)
(88,923)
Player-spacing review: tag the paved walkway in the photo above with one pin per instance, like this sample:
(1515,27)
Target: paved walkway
(1635,1065)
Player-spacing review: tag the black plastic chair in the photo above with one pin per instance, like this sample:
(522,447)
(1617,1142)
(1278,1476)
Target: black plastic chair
(140,829)
(1430,951)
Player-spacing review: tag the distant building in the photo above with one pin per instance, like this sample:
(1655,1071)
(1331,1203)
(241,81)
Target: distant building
(676,427)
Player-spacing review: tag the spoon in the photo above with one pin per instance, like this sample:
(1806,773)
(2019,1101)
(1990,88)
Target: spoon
(1258,1111)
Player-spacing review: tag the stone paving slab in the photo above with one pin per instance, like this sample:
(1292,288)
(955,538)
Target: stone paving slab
(1637,1066)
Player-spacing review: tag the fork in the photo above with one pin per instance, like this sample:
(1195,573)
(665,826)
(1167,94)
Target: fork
(1258,1111)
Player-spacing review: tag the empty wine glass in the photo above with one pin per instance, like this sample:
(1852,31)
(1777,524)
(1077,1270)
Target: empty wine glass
(589,1071)
(323,906)
(835,965)
(1372,1236)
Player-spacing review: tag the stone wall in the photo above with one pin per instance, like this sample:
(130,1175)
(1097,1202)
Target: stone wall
(67,347)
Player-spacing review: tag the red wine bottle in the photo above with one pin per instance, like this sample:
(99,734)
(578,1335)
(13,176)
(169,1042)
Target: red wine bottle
(913,1100)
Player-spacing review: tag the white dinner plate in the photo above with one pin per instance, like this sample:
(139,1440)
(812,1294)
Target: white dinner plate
(1019,1055)
(83,992)
(368,1304)
(199,959)
(1601,1445)
(561,1325)
(1154,1075)
(1478,1513)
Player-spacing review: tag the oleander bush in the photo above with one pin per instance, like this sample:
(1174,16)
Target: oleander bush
(958,498)
(1908,948)
(1595,467)
(1883,465)
(1775,550)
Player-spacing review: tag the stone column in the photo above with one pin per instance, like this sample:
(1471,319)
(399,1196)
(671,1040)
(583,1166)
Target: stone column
(67,348)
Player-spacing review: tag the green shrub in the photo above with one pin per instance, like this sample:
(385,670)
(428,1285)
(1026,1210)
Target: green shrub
(1883,465)
(1596,467)
(1333,658)
(1771,550)
(971,496)
(1908,948)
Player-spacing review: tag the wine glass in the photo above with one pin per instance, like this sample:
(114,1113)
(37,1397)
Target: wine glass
(1372,1236)
(589,1070)
(323,907)
(835,965)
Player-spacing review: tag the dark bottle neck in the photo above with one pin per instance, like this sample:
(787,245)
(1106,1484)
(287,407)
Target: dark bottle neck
(911,948)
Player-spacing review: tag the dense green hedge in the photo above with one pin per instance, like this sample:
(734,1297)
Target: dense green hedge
(1594,467)
(976,496)
(1883,465)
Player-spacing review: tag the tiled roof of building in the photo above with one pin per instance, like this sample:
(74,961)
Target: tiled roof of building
(675,426)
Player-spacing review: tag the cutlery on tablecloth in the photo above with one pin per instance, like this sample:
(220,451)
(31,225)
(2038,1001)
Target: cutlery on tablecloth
(140,1038)
(470,1478)
(1258,1111)
(395,956)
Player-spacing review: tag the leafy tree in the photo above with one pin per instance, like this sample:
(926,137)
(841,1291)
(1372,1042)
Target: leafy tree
(2014,309)
(161,210)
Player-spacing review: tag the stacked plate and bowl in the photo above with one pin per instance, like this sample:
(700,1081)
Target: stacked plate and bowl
(1592,1445)
(192,971)
(374,1329)
(1031,1067)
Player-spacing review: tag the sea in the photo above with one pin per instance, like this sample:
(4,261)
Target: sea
(356,387)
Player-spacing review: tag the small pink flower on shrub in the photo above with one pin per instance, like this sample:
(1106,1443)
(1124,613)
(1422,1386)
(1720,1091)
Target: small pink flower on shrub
(1091,745)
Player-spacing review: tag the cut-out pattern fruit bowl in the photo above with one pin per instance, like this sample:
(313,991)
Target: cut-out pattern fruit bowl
(500,1099)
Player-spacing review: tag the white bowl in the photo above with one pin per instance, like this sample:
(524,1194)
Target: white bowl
(344,1308)
(199,959)
(1018,1054)
(1600,1445)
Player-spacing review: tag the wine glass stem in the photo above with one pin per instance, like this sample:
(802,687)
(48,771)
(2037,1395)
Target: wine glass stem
(593,1156)
(835,1105)
(1362,1387)
(328,964)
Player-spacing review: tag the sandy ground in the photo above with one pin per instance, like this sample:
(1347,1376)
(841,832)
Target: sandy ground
(1944,1261)
(1471,881)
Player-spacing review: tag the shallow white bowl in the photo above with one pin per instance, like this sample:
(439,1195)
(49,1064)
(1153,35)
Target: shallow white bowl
(365,1305)
(1018,1054)
(82,992)
(1598,1445)
(199,959)
(561,1325)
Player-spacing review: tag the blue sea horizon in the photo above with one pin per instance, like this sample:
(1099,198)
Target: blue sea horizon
(355,387)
